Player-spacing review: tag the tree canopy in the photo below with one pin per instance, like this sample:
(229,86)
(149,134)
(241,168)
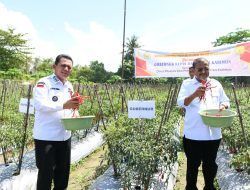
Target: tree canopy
(128,66)
(14,50)
(240,35)
(99,74)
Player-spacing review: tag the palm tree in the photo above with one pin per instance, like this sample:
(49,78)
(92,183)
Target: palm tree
(129,67)
(130,45)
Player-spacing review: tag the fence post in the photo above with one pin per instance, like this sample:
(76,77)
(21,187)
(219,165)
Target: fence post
(26,119)
(240,116)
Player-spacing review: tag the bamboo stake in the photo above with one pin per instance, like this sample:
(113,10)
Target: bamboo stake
(111,104)
(26,118)
(240,116)
(3,96)
(100,106)
(164,113)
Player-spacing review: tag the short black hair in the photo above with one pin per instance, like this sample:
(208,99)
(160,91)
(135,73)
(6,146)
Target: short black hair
(59,57)
(199,60)
(191,67)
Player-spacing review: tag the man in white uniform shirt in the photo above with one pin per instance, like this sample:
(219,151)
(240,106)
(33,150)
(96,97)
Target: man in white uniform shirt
(52,100)
(200,141)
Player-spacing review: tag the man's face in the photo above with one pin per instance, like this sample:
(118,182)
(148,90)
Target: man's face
(191,72)
(63,69)
(201,71)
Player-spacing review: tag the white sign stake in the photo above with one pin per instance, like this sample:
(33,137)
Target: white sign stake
(141,109)
(23,106)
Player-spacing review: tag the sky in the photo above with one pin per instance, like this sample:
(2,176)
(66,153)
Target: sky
(90,30)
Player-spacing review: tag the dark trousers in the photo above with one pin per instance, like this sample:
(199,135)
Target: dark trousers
(197,152)
(53,163)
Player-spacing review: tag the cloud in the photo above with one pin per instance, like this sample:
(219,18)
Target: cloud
(100,44)
(22,24)
(193,29)
(15,20)
(176,32)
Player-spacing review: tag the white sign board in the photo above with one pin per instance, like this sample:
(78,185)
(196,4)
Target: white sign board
(141,109)
(23,106)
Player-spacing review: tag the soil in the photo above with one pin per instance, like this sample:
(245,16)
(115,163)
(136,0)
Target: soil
(84,173)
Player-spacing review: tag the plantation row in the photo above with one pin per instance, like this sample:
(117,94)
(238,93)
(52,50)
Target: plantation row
(237,136)
(138,148)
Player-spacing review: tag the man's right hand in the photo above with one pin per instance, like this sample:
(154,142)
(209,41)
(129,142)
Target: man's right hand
(200,91)
(72,103)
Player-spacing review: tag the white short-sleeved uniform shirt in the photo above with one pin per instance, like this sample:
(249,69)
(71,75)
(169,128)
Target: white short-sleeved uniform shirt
(194,128)
(49,96)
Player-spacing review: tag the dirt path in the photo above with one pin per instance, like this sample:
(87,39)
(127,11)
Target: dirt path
(82,174)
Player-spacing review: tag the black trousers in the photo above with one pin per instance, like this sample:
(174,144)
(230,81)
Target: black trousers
(53,163)
(197,152)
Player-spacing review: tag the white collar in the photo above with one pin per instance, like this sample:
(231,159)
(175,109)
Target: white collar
(57,80)
(195,81)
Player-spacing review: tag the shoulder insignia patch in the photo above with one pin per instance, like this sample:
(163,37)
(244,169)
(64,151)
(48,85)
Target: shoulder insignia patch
(40,84)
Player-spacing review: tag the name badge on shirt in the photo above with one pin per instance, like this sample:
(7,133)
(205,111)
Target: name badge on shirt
(54,88)
(54,98)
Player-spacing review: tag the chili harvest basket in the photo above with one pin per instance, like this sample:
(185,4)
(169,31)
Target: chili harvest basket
(216,118)
(77,123)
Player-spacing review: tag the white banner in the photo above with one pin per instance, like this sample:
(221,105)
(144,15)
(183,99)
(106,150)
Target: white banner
(231,60)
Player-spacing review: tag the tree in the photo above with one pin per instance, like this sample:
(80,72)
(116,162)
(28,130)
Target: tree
(128,66)
(41,67)
(129,70)
(82,73)
(233,37)
(45,65)
(14,51)
(99,73)
(131,44)
(113,79)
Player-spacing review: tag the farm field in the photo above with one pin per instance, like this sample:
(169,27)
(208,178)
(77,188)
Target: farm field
(137,148)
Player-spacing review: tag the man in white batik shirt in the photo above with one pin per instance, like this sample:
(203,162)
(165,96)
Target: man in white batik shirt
(200,141)
(52,101)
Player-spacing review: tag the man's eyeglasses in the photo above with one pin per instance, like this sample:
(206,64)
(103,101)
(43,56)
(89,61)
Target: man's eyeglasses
(64,66)
(202,69)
